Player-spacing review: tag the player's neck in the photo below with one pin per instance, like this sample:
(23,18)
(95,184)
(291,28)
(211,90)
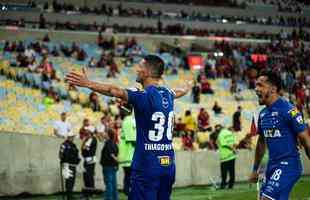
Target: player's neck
(149,82)
(272,99)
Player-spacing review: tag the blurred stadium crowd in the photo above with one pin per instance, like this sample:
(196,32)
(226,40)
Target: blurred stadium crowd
(32,71)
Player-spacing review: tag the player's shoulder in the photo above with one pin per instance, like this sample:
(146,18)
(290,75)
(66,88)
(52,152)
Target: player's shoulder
(262,113)
(285,107)
(134,89)
(164,89)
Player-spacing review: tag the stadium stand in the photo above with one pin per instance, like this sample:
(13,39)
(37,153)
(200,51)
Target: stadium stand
(79,98)
(43,40)
(230,59)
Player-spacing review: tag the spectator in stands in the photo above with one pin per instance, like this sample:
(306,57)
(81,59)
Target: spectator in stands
(29,52)
(102,62)
(187,142)
(21,23)
(21,60)
(6,47)
(20,47)
(217,108)
(55,52)
(190,123)
(65,50)
(233,86)
(46,81)
(203,120)
(37,47)
(81,54)
(86,129)
(99,39)
(94,103)
(92,62)
(196,93)
(74,48)
(237,119)
(32,66)
(213,138)
(45,66)
(226,141)
(205,86)
(13,46)
(109,163)
(179,127)
(42,22)
(46,38)
(101,128)
(113,69)
(62,127)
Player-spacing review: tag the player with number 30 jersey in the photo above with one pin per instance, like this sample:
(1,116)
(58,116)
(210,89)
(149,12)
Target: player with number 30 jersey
(153,165)
(153,161)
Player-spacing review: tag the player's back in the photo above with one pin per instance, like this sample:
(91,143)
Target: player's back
(154,122)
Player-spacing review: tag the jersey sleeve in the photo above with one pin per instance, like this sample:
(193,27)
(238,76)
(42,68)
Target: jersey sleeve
(137,99)
(296,121)
(172,92)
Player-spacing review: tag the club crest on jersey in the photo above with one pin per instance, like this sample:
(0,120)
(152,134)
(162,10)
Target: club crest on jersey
(262,115)
(165,102)
(299,119)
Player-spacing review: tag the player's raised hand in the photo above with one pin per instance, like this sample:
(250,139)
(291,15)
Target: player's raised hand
(78,79)
(253,177)
(189,84)
(186,87)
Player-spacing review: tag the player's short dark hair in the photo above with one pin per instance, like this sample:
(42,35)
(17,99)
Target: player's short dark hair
(156,64)
(272,78)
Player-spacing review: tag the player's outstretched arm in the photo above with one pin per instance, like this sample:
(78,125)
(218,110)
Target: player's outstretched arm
(180,92)
(259,154)
(81,80)
(304,139)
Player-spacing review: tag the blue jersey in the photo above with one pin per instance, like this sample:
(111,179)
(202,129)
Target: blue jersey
(280,124)
(153,110)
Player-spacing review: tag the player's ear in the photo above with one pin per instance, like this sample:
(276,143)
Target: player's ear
(274,89)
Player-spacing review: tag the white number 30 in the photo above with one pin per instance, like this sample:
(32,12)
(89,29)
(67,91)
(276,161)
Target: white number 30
(158,134)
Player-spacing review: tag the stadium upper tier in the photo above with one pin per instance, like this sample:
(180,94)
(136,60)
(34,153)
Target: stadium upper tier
(155,10)
(232,6)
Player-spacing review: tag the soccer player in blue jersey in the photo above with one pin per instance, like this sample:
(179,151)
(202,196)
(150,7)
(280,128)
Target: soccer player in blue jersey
(280,127)
(153,165)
